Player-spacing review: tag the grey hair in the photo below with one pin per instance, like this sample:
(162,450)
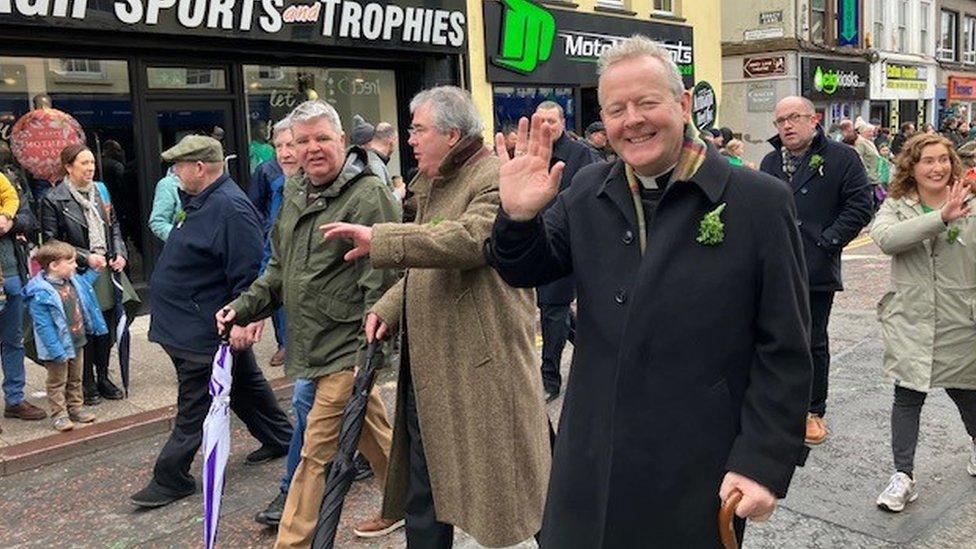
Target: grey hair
(282,125)
(384,130)
(641,46)
(311,110)
(451,109)
(550,106)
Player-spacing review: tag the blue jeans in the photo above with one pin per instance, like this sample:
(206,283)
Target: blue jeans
(12,341)
(302,398)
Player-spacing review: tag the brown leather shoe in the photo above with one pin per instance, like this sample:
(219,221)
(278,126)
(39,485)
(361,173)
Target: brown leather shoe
(816,429)
(24,410)
(279,357)
(377,527)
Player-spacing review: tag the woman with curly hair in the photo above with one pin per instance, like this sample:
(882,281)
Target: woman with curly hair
(927,318)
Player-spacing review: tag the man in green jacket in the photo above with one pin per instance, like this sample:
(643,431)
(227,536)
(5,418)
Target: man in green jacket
(325,298)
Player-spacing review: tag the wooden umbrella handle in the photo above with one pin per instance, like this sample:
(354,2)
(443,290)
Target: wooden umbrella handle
(726,516)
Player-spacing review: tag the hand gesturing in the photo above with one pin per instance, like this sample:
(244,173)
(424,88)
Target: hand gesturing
(526,184)
(956,206)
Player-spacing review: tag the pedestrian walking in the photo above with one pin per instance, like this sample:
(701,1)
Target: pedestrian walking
(689,271)
(833,203)
(212,255)
(166,209)
(554,299)
(470,441)
(325,299)
(927,228)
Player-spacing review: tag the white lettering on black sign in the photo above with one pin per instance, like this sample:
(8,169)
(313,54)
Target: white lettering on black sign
(347,19)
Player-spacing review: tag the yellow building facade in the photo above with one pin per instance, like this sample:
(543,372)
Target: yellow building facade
(684,26)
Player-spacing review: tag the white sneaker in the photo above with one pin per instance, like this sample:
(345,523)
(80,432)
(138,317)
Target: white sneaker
(900,491)
(971,466)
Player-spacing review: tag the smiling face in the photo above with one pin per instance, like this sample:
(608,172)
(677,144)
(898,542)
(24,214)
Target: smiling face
(644,120)
(321,149)
(285,153)
(933,171)
(82,170)
(430,146)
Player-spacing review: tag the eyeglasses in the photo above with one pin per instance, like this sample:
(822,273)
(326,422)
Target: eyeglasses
(793,119)
(417,130)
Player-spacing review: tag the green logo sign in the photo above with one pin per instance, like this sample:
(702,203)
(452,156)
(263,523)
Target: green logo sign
(528,32)
(825,81)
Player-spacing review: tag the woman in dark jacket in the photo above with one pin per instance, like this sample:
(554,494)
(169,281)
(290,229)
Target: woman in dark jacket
(76,212)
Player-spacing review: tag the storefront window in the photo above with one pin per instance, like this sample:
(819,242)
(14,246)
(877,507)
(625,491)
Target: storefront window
(186,78)
(818,21)
(969,40)
(512,103)
(947,37)
(923,26)
(273,91)
(879,35)
(96,93)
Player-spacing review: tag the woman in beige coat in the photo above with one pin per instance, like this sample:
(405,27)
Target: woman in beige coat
(927,318)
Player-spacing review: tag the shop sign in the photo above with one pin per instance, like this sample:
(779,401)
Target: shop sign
(962,88)
(848,22)
(38,137)
(756,67)
(906,77)
(528,43)
(704,107)
(829,79)
(420,25)
(770,17)
(761,97)
(763,34)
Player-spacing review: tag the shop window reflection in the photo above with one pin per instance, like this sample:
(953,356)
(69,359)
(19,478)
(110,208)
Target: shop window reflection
(96,92)
(273,91)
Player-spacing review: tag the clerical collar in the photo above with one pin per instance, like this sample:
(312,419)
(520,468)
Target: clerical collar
(655,181)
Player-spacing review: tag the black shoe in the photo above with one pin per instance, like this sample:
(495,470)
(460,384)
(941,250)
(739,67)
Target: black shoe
(272,515)
(361,468)
(109,391)
(552,395)
(92,398)
(265,453)
(153,496)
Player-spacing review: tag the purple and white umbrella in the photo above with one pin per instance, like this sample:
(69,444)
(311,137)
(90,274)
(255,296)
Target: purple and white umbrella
(216,441)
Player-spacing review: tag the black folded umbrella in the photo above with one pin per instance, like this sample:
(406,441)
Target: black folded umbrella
(342,471)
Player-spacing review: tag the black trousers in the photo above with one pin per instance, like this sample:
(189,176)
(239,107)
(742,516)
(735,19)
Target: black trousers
(905,413)
(558,325)
(98,352)
(424,531)
(820,305)
(251,399)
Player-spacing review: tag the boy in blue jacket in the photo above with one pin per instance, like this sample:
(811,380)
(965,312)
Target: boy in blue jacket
(64,309)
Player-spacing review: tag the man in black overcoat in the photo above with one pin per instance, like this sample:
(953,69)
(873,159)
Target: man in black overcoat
(554,298)
(691,372)
(834,201)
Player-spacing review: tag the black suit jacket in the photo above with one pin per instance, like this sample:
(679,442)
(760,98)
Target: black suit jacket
(831,208)
(690,361)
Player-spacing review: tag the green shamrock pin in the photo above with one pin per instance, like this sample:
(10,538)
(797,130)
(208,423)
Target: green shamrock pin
(179,218)
(711,231)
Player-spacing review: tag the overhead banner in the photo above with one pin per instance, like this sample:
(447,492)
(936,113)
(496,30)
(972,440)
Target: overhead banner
(417,25)
(528,43)
(829,79)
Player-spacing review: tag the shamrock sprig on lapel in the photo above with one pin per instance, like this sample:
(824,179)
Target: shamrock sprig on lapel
(817,162)
(711,230)
(179,218)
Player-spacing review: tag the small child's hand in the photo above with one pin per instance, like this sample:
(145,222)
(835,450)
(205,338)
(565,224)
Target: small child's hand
(97,261)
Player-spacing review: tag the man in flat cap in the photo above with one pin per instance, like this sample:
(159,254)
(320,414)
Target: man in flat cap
(212,255)
(596,139)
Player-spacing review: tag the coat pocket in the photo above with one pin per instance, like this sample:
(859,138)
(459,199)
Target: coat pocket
(884,304)
(470,327)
